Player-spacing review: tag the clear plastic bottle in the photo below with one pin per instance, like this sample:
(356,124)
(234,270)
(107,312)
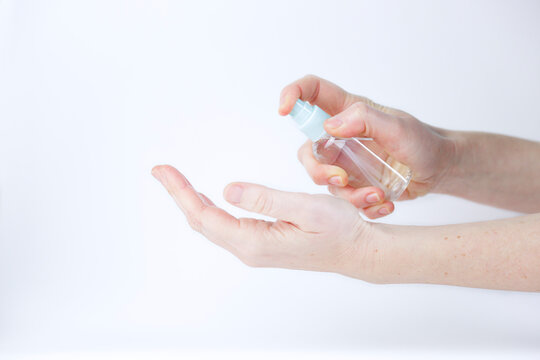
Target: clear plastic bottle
(365,162)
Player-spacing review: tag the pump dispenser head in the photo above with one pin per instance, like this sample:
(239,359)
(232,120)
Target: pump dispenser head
(310,119)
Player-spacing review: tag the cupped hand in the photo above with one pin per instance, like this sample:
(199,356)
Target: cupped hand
(312,232)
(428,151)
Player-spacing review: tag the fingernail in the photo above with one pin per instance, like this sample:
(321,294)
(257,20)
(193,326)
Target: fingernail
(333,123)
(160,177)
(383,211)
(204,199)
(283,101)
(373,198)
(335,180)
(234,194)
(155,173)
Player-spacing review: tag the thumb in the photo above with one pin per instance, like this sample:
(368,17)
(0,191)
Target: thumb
(287,206)
(362,120)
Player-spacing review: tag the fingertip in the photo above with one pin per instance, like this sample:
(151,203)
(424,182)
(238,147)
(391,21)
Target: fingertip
(339,180)
(366,196)
(283,110)
(160,169)
(386,209)
(337,128)
(373,195)
(233,193)
(342,192)
(371,215)
(160,172)
(226,190)
(378,211)
(169,175)
(286,104)
(156,172)
(334,175)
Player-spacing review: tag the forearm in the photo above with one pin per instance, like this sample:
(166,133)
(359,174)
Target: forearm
(496,170)
(502,254)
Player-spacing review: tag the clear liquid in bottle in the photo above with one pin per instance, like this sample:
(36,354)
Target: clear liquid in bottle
(365,162)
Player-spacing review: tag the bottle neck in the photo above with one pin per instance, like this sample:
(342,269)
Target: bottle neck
(310,119)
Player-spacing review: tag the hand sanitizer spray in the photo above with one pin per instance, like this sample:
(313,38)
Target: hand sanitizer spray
(365,162)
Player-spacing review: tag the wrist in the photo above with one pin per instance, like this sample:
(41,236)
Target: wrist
(395,254)
(453,169)
(374,257)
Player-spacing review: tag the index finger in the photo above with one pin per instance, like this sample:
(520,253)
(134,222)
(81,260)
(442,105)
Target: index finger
(326,95)
(322,174)
(203,216)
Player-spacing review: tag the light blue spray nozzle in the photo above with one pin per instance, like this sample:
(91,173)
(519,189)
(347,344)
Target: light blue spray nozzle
(310,119)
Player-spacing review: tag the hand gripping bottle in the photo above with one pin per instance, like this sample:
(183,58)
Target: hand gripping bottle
(365,162)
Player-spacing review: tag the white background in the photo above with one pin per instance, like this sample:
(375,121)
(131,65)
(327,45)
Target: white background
(95,256)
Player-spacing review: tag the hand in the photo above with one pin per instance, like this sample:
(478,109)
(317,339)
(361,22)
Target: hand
(428,151)
(314,232)
(325,233)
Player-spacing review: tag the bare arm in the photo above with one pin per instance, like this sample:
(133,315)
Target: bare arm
(496,170)
(325,233)
(502,254)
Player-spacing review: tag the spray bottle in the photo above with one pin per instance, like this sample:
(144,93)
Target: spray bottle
(365,162)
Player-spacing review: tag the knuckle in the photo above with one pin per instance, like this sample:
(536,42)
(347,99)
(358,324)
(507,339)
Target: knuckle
(401,124)
(194,222)
(263,203)
(361,109)
(311,77)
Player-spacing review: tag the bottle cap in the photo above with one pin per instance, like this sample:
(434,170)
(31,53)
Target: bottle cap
(310,119)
